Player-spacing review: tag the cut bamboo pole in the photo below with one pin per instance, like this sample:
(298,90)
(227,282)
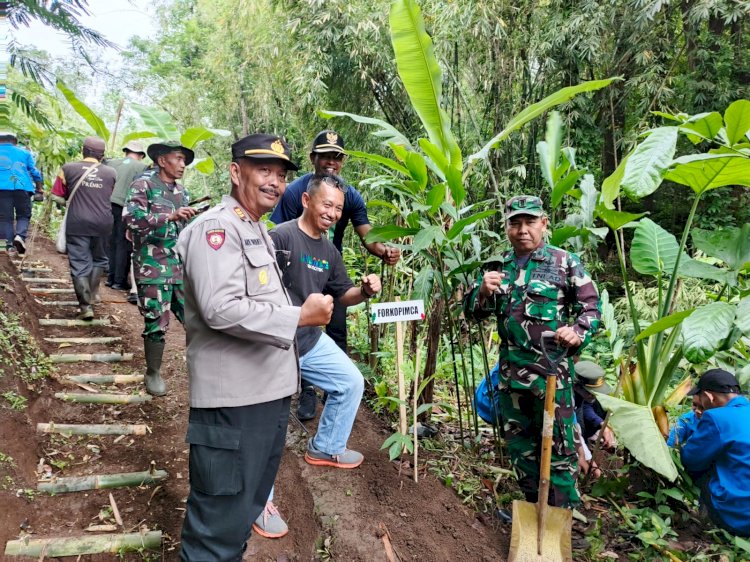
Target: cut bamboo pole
(57,303)
(92,429)
(105,379)
(400,373)
(36,270)
(46,280)
(101,481)
(93,357)
(87,544)
(417,361)
(70,323)
(84,341)
(103,398)
(47,291)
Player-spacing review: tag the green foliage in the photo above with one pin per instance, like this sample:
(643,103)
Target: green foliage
(20,351)
(94,121)
(15,400)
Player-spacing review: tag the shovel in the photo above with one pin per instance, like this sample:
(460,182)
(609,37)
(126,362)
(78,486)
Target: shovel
(542,532)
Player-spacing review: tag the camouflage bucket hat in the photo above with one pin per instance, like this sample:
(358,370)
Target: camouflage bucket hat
(524,205)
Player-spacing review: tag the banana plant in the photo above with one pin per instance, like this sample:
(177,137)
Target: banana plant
(432,220)
(639,416)
(158,125)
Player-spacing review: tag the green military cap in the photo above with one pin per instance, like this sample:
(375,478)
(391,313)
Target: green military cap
(161,148)
(592,377)
(524,205)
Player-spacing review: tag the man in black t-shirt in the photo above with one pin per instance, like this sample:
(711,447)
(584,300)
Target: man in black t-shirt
(311,264)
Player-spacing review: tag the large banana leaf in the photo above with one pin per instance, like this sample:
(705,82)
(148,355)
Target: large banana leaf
(549,148)
(654,250)
(742,320)
(137,135)
(387,132)
(730,245)
(703,172)
(536,109)
(737,119)
(705,329)
(635,427)
(422,78)
(94,121)
(157,121)
(645,168)
(194,135)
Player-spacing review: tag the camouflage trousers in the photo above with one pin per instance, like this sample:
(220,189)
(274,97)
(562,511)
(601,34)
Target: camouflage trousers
(523,413)
(154,303)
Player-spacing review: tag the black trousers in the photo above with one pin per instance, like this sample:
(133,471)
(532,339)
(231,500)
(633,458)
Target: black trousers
(86,252)
(120,249)
(234,456)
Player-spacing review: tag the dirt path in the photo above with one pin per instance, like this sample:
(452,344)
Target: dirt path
(345,515)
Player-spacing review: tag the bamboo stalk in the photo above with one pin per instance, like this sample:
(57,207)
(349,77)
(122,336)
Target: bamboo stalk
(105,379)
(417,361)
(70,323)
(402,422)
(101,481)
(87,544)
(92,429)
(36,270)
(46,291)
(84,341)
(57,303)
(46,280)
(95,357)
(103,398)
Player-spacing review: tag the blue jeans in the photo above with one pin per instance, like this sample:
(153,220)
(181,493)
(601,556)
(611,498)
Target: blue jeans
(328,367)
(14,202)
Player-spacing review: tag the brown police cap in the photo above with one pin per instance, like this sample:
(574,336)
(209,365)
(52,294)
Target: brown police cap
(264,146)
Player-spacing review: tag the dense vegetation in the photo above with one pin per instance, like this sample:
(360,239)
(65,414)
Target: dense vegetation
(608,110)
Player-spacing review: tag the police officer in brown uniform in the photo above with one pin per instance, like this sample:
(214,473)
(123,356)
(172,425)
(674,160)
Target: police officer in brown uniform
(241,353)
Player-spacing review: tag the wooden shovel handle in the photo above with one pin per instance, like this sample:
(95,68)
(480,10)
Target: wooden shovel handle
(544,466)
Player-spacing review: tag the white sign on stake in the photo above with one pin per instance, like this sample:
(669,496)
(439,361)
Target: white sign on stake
(400,311)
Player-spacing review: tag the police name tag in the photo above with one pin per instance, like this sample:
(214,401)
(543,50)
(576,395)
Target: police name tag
(401,311)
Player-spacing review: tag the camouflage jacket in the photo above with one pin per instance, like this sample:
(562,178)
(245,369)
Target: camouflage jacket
(149,202)
(550,291)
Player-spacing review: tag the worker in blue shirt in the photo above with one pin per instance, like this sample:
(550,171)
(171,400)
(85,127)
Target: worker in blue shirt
(19,182)
(717,454)
(327,156)
(685,425)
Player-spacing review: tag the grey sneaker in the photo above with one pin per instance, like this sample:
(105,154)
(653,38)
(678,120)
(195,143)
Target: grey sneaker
(19,244)
(347,459)
(12,252)
(269,523)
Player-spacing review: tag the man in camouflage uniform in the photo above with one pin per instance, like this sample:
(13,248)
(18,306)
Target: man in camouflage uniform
(156,211)
(536,288)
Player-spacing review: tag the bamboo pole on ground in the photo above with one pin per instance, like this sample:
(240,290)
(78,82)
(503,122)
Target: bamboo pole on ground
(87,544)
(91,357)
(84,341)
(103,398)
(70,323)
(104,379)
(36,270)
(92,429)
(102,481)
(57,303)
(46,280)
(46,291)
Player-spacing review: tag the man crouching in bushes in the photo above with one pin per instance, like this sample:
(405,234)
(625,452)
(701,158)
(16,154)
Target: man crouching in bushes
(717,454)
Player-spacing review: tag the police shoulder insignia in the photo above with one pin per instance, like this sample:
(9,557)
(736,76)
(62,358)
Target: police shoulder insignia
(277,147)
(240,213)
(215,238)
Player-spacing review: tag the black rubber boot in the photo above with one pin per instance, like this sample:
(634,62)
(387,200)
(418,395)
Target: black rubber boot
(95,278)
(154,383)
(83,294)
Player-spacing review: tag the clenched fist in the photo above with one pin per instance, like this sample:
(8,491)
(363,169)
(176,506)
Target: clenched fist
(491,282)
(316,310)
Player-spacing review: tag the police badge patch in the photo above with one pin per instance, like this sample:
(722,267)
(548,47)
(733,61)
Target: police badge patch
(215,238)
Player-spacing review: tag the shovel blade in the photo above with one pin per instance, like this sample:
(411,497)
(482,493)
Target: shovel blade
(556,543)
